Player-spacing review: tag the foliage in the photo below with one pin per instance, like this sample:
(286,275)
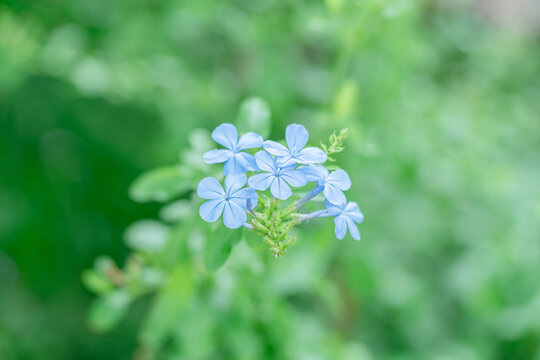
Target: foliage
(443,143)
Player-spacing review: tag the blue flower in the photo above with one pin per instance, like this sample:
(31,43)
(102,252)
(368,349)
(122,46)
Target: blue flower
(276,177)
(232,201)
(346,215)
(236,161)
(296,137)
(331,184)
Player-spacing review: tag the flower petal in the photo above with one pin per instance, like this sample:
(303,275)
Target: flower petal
(262,181)
(280,190)
(249,140)
(287,168)
(276,148)
(333,194)
(353,211)
(283,161)
(234,182)
(217,156)
(211,210)
(265,162)
(233,215)
(353,229)
(235,165)
(340,179)
(226,135)
(241,196)
(334,209)
(296,136)
(254,200)
(341,226)
(249,160)
(294,178)
(311,155)
(210,188)
(314,172)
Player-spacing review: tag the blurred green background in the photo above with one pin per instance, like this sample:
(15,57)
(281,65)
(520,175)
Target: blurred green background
(442,99)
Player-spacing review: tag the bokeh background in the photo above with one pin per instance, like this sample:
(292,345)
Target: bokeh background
(442,100)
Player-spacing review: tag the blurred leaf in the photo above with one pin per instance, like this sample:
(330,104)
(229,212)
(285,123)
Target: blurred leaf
(107,311)
(218,246)
(63,47)
(255,241)
(175,251)
(176,211)
(161,184)
(104,265)
(7,349)
(356,351)
(147,235)
(197,334)
(254,115)
(151,278)
(345,99)
(200,142)
(167,308)
(96,282)
(17,51)
(334,5)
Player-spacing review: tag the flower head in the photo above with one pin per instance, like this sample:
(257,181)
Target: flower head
(346,215)
(236,161)
(278,178)
(296,136)
(231,201)
(333,184)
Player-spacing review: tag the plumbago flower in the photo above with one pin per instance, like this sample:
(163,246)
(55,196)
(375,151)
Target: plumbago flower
(346,215)
(231,201)
(277,169)
(331,184)
(277,178)
(236,161)
(297,137)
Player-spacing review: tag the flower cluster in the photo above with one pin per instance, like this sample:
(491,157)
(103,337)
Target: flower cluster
(278,168)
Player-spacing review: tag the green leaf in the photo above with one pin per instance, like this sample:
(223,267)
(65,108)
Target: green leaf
(218,246)
(200,142)
(151,277)
(176,211)
(254,115)
(106,312)
(167,308)
(161,184)
(334,6)
(198,334)
(255,241)
(104,265)
(147,235)
(345,99)
(96,282)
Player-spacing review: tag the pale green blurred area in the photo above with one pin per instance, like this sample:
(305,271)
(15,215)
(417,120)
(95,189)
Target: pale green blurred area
(442,100)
